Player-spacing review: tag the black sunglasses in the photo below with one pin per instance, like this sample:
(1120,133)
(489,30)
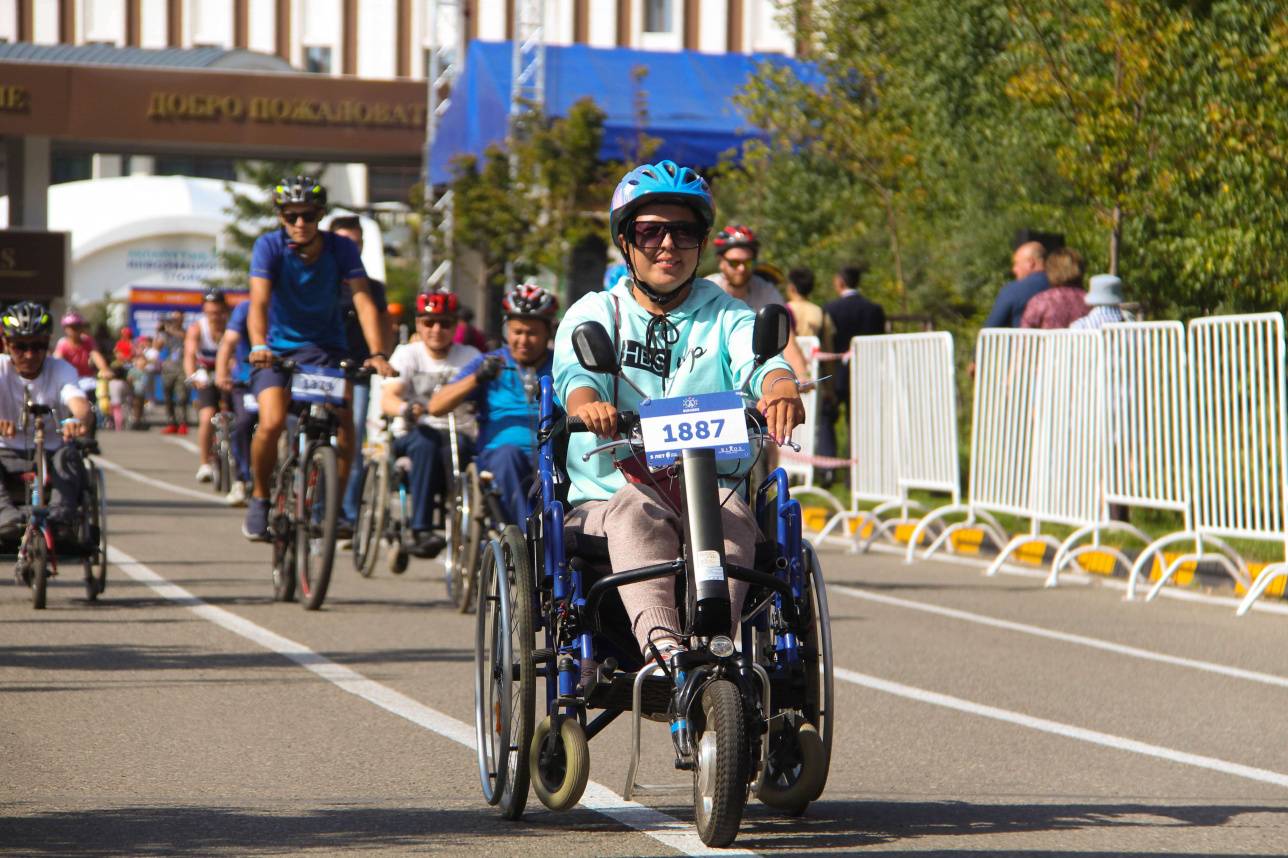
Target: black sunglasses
(685,235)
(308,216)
(28,346)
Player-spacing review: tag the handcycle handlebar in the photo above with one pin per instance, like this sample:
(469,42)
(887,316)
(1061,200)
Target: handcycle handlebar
(627,421)
(352,369)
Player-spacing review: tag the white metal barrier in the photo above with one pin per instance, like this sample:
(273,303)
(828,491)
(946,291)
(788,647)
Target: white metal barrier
(903,430)
(1237,447)
(1147,443)
(1037,440)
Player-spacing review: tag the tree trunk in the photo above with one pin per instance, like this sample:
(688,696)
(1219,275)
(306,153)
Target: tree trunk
(896,251)
(1115,239)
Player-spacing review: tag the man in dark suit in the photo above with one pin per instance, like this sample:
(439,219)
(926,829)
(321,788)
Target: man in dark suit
(852,316)
(1029,267)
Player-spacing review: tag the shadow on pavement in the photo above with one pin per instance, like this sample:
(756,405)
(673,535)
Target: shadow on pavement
(243,831)
(840,827)
(141,657)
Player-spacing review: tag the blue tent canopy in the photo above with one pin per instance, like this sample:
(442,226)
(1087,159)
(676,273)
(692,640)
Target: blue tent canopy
(689,98)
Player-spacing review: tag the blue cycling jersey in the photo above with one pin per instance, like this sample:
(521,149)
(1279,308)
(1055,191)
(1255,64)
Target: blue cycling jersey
(237,322)
(507,408)
(306,306)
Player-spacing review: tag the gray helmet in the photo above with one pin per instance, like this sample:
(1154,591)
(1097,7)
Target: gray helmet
(301,190)
(27,319)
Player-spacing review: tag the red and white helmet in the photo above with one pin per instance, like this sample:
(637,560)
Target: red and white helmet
(735,235)
(438,303)
(529,301)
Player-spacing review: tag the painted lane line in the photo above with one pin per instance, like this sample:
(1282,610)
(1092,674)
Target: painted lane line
(208,497)
(1064,637)
(182,442)
(1069,731)
(663,828)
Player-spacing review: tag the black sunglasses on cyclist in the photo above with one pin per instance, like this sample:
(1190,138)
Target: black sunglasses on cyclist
(28,346)
(436,321)
(685,235)
(307,216)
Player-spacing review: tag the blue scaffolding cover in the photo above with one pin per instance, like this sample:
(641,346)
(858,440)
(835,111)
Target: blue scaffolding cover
(689,100)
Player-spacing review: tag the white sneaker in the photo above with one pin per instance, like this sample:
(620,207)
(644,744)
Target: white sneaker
(205,473)
(236,495)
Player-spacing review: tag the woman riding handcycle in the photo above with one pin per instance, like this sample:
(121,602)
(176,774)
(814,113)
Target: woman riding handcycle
(668,378)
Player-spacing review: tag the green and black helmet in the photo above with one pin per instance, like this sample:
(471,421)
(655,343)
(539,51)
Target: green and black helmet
(300,190)
(27,319)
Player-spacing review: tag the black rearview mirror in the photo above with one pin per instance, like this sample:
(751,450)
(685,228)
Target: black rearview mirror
(594,349)
(773,328)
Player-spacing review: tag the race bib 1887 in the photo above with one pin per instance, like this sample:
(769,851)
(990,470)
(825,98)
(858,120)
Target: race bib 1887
(713,420)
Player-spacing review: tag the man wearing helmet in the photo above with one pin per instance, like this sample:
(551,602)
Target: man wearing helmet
(737,249)
(424,365)
(677,335)
(503,385)
(200,347)
(25,365)
(296,312)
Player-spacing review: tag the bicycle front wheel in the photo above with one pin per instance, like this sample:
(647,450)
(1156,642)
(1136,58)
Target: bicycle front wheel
(372,512)
(318,506)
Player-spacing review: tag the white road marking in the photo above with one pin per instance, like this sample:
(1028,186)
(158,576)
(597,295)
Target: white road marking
(182,442)
(1064,637)
(1082,734)
(665,829)
(208,497)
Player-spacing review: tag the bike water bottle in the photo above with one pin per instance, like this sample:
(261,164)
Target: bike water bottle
(704,533)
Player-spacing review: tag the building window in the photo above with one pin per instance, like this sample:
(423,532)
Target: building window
(200,168)
(70,168)
(657,16)
(317,60)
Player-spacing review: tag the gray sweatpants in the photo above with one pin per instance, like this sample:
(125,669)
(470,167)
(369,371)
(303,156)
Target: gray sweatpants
(642,529)
(66,476)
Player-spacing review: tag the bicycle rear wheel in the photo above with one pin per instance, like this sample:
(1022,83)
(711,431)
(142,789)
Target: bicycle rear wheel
(318,506)
(372,510)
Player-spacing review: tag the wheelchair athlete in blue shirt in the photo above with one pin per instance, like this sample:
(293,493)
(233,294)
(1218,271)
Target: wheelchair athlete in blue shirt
(296,312)
(504,386)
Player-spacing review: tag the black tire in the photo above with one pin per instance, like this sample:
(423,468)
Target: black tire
(560,763)
(455,518)
(281,528)
(223,463)
(93,533)
(472,540)
(821,701)
(720,765)
(505,674)
(369,527)
(318,509)
(38,557)
(795,770)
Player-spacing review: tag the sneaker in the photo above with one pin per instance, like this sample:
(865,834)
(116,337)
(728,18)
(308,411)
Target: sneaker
(236,495)
(428,545)
(206,473)
(183,428)
(255,527)
(170,430)
(343,528)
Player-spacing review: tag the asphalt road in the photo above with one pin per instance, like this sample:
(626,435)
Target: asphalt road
(188,714)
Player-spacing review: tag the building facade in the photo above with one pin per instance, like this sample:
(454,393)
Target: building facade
(390,38)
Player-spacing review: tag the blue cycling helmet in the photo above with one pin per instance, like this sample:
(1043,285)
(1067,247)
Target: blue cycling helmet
(663,182)
(613,274)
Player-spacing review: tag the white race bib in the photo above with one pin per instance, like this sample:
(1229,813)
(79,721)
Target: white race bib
(708,420)
(318,384)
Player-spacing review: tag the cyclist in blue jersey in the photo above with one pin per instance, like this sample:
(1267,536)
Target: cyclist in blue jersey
(504,386)
(296,313)
(232,374)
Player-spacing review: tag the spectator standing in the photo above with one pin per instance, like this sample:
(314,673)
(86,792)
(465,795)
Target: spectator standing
(1028,264)
(168,344)
(810,319)
(852,315)
(123,348)
(1064,301)
(1105,298)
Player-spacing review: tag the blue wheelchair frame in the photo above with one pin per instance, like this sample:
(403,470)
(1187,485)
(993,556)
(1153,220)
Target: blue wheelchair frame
(566,584)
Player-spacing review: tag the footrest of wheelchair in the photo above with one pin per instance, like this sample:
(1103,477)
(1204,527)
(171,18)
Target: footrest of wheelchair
(655,696)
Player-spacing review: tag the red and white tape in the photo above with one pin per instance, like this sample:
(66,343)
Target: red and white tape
(818,461)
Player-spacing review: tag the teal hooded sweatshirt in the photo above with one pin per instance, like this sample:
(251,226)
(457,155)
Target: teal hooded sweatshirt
(701,346)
